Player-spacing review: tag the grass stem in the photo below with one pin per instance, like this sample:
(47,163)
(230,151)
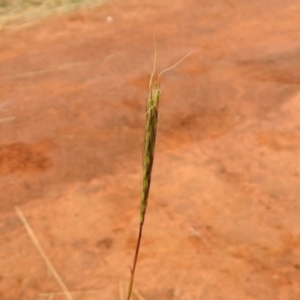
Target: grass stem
(148,153)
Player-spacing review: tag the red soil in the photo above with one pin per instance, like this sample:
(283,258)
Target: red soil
(223,217)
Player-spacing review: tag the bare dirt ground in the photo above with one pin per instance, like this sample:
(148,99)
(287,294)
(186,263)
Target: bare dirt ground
(223,218)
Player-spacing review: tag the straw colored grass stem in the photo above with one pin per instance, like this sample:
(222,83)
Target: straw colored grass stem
(42,253)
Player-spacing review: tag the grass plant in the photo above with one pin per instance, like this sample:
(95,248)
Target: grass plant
(15,13)
(152,107)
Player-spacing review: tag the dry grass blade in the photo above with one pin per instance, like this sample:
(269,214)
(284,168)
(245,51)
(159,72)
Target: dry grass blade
(51,297)
(121,290)
(8,119)
(82,292)
(42,252)
(138,295)
(61,67)
(15,13)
